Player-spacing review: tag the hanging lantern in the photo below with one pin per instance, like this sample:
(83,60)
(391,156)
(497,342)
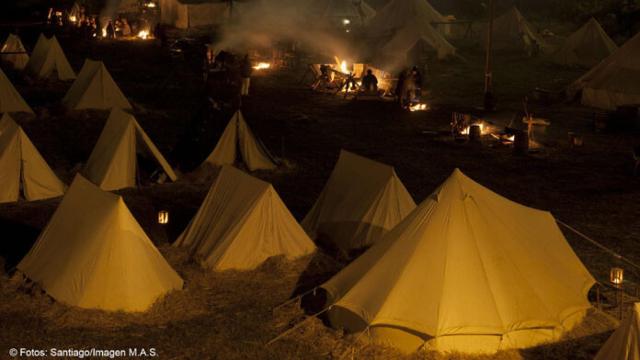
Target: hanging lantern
(616,276)
(163,217)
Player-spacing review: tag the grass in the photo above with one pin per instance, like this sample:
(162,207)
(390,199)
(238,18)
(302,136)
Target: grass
(228,315)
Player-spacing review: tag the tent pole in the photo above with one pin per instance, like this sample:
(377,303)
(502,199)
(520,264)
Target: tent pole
(487,69)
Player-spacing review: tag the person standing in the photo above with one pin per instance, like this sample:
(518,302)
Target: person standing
(245,73)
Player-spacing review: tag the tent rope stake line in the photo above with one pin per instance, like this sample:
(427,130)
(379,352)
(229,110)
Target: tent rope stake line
(599,245)
(298,325)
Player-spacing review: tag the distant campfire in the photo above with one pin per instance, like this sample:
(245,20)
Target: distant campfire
(144,34)
(262,66)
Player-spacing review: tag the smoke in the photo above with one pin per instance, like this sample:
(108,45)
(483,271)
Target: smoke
(263,23)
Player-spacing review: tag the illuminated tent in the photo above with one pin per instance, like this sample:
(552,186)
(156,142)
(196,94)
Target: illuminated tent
(93,254)
(241,223)
(10,99)
(48,60)
(586,47)
(511,31)
(362,200)
(237,134)
(14,45)
(398,13)
(95,89)
(624,343)
(613,82)
(22,167)
(467,271)
(415,36)
(113,163)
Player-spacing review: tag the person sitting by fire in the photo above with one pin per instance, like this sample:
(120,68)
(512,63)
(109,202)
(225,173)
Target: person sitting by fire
(245,73)
(370,83)
(323,79)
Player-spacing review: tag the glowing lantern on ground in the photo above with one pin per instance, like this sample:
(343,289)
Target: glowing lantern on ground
(616,276)
(163,217)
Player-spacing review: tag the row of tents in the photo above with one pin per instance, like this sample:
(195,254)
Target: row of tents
(466,270)
(93,88)
(114,161)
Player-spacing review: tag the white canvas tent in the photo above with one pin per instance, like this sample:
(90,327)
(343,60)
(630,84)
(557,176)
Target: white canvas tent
(237,134)
(241,223)
(415,36)
(624,343)
(13,44)
(93,254)
(22,168)
(113,163)
(48,61)
(362,200)
(10,99)
(512,32)
(398,13)
(467,271)
(95,89)
(585,47)
(613,82)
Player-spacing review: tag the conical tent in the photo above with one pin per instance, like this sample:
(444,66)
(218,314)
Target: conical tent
(93,254)
(241,223)
(238,134)
(586,47)
(414,34)
(624,343)
(362,200)
(112,164)
(613,82)
(19,57)
(10,100)
(511,31)
(48,60)
(467,271)
(397,13)
(95,89)
(22,167)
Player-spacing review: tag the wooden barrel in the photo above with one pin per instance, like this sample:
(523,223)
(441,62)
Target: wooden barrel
(521,142)
(475,133)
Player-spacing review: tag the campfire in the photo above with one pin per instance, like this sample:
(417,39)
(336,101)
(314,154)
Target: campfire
(262,66)
(467,130)
(144,34)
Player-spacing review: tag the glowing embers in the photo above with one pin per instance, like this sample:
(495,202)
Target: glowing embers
(419,107)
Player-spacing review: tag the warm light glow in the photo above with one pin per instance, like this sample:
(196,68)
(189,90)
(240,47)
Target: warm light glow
(163,217)
(150,4)
(262,66)
(506,138)
(468,129)
(616,276)
(104,32)
(346,21)
(143,34)
(343,67)
(73,18)
(419,107)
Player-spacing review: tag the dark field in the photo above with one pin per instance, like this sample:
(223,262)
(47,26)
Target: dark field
(228,315)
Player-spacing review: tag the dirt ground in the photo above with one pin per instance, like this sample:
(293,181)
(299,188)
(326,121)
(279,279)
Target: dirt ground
(228,315)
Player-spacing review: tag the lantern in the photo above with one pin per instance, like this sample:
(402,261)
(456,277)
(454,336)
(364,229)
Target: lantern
(616,276)
(163,217)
